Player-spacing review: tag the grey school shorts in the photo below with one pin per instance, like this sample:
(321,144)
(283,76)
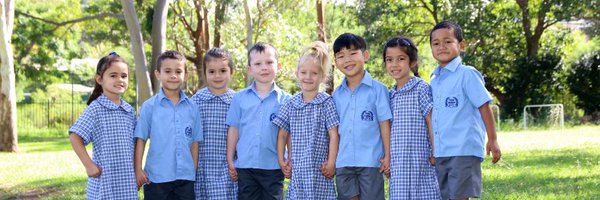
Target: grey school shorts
(459,177)
(365,182)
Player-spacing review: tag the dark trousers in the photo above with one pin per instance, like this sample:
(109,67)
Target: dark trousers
(259,184)
(178,189)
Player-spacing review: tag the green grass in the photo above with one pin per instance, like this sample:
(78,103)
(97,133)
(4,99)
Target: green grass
(556,164)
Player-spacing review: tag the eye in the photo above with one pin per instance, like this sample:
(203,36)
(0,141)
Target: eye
(388,60)
(223,70)
(124,76)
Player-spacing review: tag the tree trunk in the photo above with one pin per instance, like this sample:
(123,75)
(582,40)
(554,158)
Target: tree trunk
(159,37)
(220,11)
(144,89)
(323,38)
(8,97)
(249,42)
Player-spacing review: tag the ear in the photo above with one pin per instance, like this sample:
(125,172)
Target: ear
(156,74)
(461,45)
(278,66)
(366,54)
(98,79)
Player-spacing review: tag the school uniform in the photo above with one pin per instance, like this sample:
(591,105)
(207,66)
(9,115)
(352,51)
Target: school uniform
(361,146)
(412,175)
(110,128)
(212,178)
(171,130)
(259,174)
(308,124)
(458,92)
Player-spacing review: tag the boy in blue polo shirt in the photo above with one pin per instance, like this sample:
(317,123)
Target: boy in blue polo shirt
(461,116)
(252,137)
(364,109)
(173,124)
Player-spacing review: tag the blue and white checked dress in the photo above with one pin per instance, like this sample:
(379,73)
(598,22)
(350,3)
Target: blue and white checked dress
(110,128)
(308,125)
(412,176)
(212,178)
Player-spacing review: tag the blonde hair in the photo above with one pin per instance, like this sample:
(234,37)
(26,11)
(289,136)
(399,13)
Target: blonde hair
(319,53)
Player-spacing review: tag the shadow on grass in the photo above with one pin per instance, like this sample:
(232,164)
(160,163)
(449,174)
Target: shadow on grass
(45,145)
(73,188)
(550,158)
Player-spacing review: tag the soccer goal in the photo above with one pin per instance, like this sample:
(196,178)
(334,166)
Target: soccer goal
(555,114)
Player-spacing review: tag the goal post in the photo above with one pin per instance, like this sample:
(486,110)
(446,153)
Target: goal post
(558,106)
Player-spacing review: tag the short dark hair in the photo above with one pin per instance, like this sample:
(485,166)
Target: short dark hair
(458,32)
(169,54)
(260,47)
(349,41)
(218,53)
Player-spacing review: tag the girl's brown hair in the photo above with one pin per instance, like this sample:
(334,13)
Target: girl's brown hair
(101,67)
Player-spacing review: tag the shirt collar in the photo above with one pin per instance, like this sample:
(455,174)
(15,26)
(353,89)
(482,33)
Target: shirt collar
(412,82)
(182,96)
(451,66)
(275,89)
(298,102)
(104,101)
(367,80)
(205,94)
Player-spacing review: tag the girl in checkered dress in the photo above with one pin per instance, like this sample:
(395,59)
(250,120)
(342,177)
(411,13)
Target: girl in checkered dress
(310,119)
(108,122)
(412,166)
(212,178)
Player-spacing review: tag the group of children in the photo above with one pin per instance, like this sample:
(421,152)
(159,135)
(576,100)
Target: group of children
(221,144)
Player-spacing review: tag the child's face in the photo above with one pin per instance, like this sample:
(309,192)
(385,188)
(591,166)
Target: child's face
(114,79)
(309,76)
(398,64)
(351,61)
(445,46)
(264,66)
(171,74)
(218,74)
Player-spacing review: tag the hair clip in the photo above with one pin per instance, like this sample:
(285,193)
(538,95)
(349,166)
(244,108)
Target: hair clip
(405,42)
(113,54)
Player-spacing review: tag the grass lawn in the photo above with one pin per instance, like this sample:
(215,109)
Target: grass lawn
(556,164)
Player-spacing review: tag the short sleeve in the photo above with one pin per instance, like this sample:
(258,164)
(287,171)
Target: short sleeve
(332,119)
(383,104)
(425,99)
(85,126)
(198,132)
(233,114)
(282,119)
(474,88)
(142,128)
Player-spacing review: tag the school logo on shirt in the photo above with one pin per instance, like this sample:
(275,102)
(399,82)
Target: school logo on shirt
(188,132)
(451,102)
(272,117)
(367,115)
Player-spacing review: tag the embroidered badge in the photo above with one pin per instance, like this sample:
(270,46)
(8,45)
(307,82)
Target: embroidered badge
(451,102)
(367,115)
(188,131)
(272,117)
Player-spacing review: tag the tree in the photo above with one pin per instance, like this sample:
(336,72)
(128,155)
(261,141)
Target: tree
(8,104)
(323,38)
(144,89)
(584,83)
(159,37)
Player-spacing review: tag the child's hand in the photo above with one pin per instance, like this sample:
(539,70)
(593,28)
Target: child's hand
(385,165)
(141,178)
(287,169)
(328,169)
(232,172)
(492,146)
(93,170)
(432,160)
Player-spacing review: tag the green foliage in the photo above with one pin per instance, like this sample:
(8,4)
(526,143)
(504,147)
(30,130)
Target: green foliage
(584,82)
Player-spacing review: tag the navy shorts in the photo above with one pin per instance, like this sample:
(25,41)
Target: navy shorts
(459,176)
(260,184)
(364,182)
(178,189)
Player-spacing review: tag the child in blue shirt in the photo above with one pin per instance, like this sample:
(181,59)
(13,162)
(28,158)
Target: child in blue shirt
(461,116)
(108,122)
(212,179)
(412,172)
(252,137)
(173,124)
(310,119)
(363,106)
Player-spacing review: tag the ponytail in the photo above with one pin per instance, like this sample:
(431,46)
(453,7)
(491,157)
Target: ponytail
(95,94)
(101,67)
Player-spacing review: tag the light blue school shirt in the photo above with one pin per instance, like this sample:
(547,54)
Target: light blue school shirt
(458,92)
(257,142)
(360,113)
(171,130)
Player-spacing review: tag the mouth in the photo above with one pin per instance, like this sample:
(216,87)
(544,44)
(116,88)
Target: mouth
(349,67)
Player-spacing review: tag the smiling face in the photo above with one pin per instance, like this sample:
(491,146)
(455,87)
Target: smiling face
(398,64)
(351,61)
(309,76)
(445,46)
(114,80)
(218,75)
(264,66)
(171,74)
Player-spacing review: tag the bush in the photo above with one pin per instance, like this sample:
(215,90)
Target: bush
(583,80)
